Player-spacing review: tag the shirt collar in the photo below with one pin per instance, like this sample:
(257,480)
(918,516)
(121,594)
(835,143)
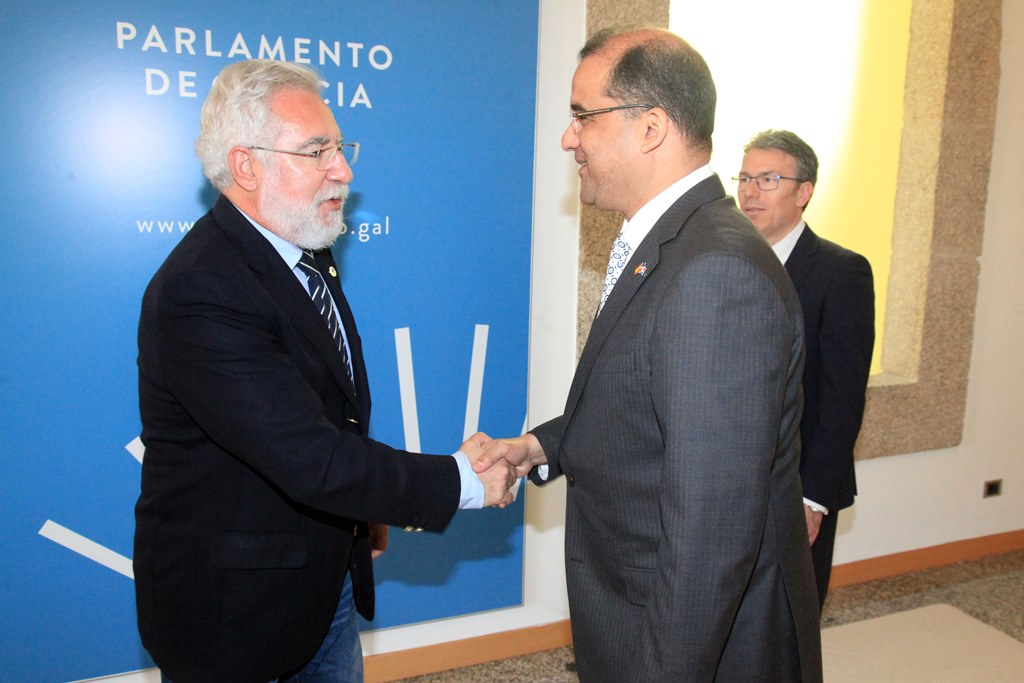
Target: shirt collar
(784,247)
(634,231)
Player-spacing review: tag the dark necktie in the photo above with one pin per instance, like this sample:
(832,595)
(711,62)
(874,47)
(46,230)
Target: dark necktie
(322,300)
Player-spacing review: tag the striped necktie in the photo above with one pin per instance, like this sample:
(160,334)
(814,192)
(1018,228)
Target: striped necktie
(322,299)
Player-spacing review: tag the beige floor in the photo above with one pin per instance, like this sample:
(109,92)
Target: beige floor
(934,644)
(958,624)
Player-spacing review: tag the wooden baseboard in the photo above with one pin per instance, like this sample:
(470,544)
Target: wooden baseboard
(925,558)
(457,654)
(460,653)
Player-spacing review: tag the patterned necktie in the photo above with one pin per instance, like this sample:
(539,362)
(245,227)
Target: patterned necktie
(616,262)
(318,292)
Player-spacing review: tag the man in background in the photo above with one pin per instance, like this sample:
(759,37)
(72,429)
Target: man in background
(837,296)
(263,498)
(686,555)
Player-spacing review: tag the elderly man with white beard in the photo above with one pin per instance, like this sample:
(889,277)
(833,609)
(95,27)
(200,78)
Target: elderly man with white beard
(263,499)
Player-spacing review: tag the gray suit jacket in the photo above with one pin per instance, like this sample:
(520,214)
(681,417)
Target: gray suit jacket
(686,546)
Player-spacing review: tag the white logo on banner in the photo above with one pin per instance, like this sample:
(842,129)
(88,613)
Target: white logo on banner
(407,385)
(102,555)
(88,548)
(407,389)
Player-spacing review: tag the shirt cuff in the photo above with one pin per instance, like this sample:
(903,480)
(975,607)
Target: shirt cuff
(815,506)
(542,472)
(472,494)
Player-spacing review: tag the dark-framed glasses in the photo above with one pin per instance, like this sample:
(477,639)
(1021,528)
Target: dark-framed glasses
(766,182)
(576,117)
(324,156)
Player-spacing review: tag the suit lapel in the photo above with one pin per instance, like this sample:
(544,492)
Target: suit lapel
(284,288)
(801,259)
(641,266)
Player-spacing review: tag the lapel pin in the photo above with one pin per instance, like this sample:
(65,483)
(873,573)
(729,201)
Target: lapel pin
(641,269)
(332,271)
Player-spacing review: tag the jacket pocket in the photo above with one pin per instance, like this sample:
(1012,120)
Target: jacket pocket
(638,585)
(618,361)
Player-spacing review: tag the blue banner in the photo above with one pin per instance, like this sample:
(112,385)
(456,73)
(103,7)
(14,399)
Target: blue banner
(100,110)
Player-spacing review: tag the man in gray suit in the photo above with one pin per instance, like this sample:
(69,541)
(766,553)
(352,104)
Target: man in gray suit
(686,546)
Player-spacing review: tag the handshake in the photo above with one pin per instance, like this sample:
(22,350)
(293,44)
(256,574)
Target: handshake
(499,463)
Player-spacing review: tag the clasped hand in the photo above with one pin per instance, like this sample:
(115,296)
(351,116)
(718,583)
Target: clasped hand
(499,463)
(498,481)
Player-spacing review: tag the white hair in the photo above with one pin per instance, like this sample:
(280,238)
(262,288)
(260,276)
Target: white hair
(237,110)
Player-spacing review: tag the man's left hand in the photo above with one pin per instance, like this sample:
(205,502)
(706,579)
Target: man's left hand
(378,539)
(813,522)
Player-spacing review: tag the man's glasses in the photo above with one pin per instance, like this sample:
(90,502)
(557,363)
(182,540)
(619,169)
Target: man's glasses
(765,182)
(577,117)
(325,155)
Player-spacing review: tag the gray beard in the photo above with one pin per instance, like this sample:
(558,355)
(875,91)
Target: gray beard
(302,226)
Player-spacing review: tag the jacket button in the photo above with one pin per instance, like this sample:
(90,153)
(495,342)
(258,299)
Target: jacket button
(569,480)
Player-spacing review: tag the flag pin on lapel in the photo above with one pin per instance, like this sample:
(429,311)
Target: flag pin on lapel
(332,271)
(641,269)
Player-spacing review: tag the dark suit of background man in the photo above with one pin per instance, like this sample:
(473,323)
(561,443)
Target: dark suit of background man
(686,550)
(837,295)
(259,480)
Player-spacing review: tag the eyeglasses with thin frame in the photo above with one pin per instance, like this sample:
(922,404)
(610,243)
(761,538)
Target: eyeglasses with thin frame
(765,182)
(577,117)
(324,156)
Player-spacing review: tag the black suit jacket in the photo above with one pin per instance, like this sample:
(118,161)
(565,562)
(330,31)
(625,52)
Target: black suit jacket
(258,477)
(836,293)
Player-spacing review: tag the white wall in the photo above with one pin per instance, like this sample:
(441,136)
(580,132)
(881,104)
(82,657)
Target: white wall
(924,499)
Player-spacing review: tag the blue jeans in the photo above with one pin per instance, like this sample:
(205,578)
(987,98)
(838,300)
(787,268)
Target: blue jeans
(340,657)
